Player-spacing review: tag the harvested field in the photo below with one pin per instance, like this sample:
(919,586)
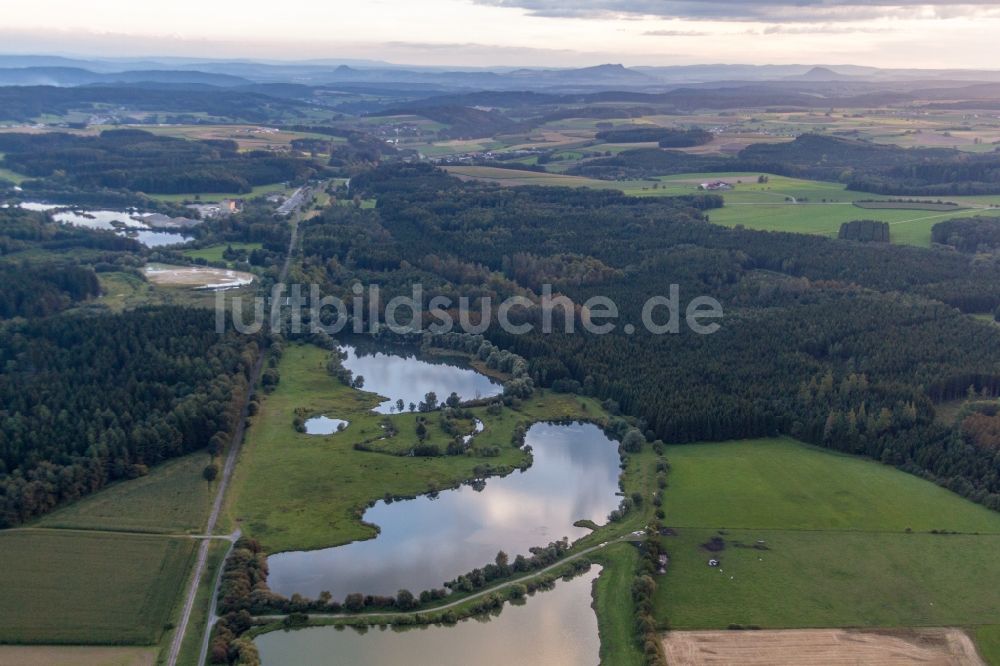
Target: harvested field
(829,647)
(50,655)
(196,277)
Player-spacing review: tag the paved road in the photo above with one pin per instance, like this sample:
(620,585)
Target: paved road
(227,472)
(213,604)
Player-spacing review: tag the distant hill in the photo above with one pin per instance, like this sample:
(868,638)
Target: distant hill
(76,76)
(823,74)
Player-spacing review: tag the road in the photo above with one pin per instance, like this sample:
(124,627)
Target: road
(224,478)
(213,518)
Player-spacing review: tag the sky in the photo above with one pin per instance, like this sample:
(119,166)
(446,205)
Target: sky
(515,33)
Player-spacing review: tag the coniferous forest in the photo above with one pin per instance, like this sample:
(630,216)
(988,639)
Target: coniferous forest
(845,345)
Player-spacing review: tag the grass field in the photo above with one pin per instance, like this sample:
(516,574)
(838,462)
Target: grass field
(295,491)
(908,227)
(172,498)
(76,655)
(614,607)
(830,579)
(836,549)
(12,176)
(204,197)
(214,252)
(80,588)
(782,484)
(988,642)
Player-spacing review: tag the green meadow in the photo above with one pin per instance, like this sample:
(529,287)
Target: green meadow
(818,539)
(829,579)
(172,498)
(213,253)
(783,484)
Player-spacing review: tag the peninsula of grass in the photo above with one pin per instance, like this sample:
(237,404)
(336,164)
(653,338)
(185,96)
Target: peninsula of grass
(294,491)
(614,606)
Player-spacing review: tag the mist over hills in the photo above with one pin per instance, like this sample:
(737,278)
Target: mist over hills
(63,71)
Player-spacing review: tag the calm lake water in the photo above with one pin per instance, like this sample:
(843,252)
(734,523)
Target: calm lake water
(404,376)
(554,628)
(110,220)
(425,542)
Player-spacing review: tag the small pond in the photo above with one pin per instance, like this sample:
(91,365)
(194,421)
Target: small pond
(324,425)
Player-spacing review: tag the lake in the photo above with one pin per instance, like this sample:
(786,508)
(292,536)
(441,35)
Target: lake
(427,541)
(120,222)
(403,375)
(554,628)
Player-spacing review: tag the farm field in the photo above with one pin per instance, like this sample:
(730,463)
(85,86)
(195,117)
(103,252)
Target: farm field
(89,588)
(205,197)
(845,542)
(295,491)
(781,204)
(908,227)
(172,498)
(214,252)
(514,177)
(77,655)
(249,137)
(833,647)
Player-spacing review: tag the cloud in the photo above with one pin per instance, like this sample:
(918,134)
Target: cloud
(823,29)
(813,11)
(676,33)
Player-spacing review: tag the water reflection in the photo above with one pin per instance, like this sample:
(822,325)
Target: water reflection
(553,628)
(403,376)
(425,542)
(324,425)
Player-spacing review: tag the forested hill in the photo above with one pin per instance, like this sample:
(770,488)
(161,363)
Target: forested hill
(140,161)
(90,400)
(841,344)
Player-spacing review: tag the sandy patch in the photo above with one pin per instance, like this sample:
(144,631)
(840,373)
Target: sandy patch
(196,277)
(826,647)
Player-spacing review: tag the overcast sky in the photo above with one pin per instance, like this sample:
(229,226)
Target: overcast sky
(516,32)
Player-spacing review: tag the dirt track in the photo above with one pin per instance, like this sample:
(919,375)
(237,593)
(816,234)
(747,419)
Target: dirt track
(829,647)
